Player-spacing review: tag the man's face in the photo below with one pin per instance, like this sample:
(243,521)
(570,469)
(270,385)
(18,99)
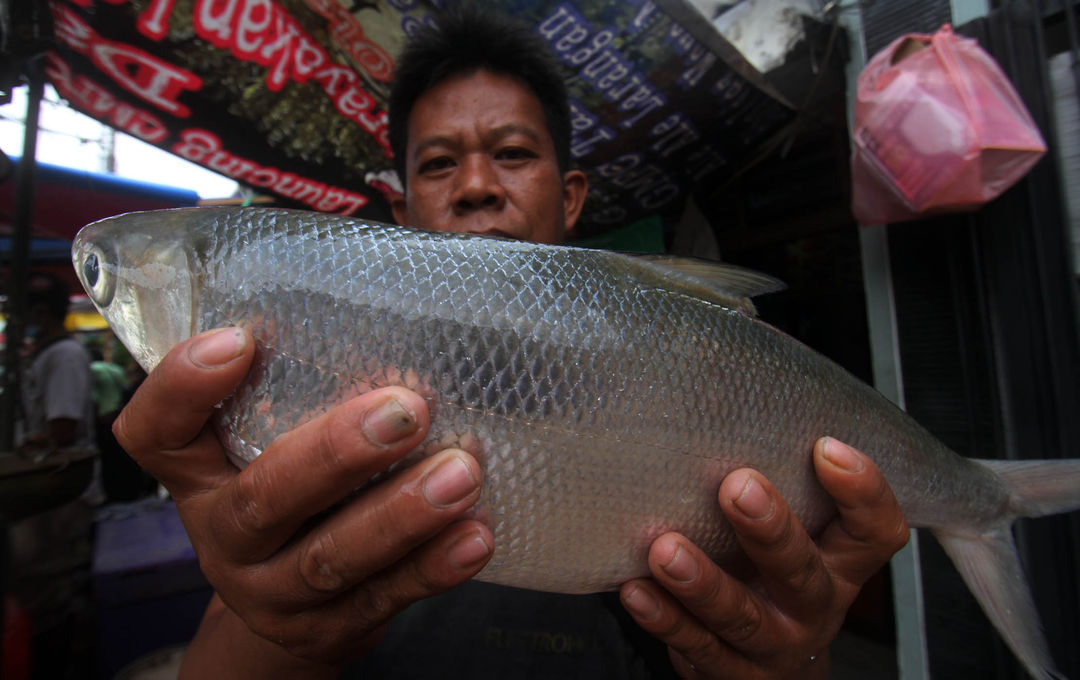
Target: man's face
(480,159)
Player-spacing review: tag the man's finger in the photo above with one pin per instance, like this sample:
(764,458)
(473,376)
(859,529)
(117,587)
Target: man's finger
(774,539)
(384,524)
(307,470)
(871,526)
(724,606)
(335,630)
(170,409)
(663,616)
(371,533)
(455,555)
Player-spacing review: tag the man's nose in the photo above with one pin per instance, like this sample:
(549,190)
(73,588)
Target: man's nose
(478,186)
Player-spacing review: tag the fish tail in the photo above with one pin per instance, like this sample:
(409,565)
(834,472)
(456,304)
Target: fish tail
(990,563)
(991,568)
(1039,487)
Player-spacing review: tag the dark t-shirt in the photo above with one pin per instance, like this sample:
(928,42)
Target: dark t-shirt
(480,630)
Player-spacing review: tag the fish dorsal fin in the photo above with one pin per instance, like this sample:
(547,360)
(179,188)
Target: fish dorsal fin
(726,284)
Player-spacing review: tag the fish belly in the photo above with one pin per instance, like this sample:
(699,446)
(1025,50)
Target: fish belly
(584,465)
(604,412)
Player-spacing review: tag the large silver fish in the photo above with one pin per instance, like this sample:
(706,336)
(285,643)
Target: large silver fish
(605,396)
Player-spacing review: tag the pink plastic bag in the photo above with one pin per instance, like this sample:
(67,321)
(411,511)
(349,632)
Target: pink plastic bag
(938,128)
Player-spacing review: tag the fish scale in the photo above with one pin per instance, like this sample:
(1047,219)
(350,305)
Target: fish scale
(409,338)
(604,396)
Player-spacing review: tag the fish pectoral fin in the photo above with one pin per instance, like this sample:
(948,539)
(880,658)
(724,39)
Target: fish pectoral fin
(991,568)
(727,284)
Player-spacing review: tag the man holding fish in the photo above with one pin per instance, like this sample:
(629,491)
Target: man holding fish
(309,578)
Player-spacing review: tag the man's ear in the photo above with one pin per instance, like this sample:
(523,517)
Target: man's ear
(400,210)
(575,188)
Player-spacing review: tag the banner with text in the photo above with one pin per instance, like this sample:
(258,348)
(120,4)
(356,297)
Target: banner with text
(289,96)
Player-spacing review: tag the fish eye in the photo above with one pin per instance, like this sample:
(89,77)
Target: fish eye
(97,277)
(91,269)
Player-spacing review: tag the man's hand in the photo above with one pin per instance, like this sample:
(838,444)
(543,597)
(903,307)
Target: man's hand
(780,623)
(320,585)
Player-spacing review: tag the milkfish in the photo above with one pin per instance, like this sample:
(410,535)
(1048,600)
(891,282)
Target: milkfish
(604,395)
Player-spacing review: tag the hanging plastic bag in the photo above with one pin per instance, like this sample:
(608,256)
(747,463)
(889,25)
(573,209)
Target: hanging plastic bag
(938,128)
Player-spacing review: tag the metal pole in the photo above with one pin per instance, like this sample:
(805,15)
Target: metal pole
(20,257)
(911,650)
(1074,39)
(964,11)
(909,608)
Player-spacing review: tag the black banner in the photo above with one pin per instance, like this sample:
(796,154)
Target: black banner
(288,96)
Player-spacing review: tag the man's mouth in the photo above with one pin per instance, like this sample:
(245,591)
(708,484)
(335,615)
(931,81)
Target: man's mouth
(497,233)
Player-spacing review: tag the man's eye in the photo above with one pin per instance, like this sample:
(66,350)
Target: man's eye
(436,164)
(514,154)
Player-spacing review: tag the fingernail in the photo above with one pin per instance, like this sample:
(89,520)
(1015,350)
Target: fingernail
(448,483)
(754,502)
(841,455)
(218,347)
(682,566)
(642,604)
(468,551)
(388,422)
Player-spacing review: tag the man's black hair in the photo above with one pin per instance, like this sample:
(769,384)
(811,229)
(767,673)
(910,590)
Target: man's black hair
(463,41)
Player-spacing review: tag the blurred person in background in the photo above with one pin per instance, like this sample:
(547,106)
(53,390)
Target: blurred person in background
(58,407)
(50,550)
(122,479)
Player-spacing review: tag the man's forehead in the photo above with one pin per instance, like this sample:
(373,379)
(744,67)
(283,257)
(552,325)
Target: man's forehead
(482,76)
(495,104)
(492,134)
